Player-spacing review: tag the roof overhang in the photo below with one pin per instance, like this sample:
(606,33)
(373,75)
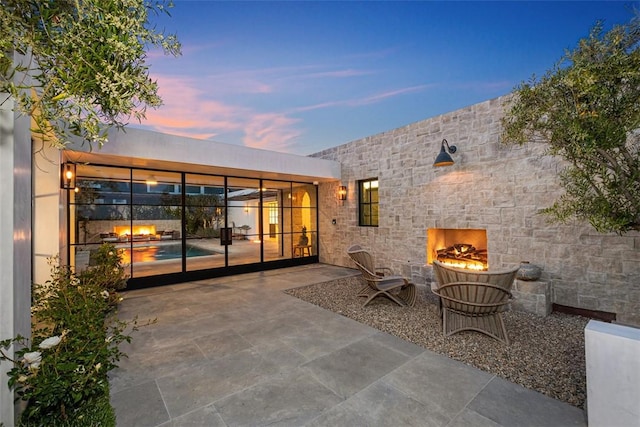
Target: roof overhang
(145,149)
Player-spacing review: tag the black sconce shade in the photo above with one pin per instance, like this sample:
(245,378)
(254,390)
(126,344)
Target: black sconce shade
(444,159)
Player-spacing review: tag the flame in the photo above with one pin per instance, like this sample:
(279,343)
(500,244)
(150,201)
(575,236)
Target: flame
(138,230)
(464,265)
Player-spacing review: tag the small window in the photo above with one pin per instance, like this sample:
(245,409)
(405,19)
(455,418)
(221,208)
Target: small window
(368,202)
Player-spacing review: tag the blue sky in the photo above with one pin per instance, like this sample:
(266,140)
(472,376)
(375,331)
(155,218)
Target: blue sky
(300,77)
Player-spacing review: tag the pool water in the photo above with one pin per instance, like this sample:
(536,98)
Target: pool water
(163,252)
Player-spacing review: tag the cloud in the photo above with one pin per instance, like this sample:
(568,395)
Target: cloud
(186,107)
(389,94)
(363,101)
(339,73)
(194,107)
(271,131)
(188,111)
(269,80)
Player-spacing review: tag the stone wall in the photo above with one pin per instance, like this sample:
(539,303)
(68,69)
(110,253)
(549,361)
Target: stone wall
(497,187)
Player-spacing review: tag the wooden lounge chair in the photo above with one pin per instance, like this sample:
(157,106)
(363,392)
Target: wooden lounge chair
(474,306)
(380,280)
(445,274)
(379,271)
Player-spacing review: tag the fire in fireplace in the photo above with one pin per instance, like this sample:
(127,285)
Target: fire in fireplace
(458,247)
(139,231)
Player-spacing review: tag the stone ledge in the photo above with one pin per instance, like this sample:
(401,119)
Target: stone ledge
(532,296)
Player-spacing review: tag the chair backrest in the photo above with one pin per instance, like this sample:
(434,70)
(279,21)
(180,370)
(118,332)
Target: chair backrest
(474,298)
(363,260)
(445,274)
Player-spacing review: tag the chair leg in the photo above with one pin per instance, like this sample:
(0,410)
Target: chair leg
(408,294)
(392,297)
(492,325)
(372,296)
(364,291)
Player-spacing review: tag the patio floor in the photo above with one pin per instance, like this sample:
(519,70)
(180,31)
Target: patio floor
(236,351)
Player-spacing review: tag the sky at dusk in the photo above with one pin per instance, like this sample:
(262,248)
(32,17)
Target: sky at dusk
(300,77)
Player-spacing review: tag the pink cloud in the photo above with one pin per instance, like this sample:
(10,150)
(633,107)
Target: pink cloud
(188,112)
(271,131)
(185,107)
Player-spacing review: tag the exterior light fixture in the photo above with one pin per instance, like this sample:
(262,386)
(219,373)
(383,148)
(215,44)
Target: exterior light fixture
(68,176)
(342,192)
(444,159)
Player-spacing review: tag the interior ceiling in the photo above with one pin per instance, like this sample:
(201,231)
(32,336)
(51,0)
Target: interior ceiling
(135,162)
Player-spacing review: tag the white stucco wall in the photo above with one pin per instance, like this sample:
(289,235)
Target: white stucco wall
(15,239)
(48,228)
(613,375)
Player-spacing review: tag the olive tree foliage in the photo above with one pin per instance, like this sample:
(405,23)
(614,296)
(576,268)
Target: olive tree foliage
(82,64)
(587,109)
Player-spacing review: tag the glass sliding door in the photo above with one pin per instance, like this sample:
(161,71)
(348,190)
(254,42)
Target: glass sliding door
(97,211)
(205,213)
(172,226)
(244,220)
(154,234)
(276,208)
(304,215)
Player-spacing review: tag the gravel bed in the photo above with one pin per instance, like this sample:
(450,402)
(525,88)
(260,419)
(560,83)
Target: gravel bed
(546,353)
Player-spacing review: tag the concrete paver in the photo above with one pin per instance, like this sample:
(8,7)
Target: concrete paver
(237,351)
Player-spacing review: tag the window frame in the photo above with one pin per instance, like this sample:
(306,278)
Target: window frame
(367,204)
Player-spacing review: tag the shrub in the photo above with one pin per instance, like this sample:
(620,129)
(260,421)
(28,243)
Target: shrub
(587,110)
(106,270)
(62,371)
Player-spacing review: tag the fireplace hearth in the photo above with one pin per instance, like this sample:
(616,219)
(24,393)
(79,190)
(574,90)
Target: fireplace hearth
(463,255)
(458,247)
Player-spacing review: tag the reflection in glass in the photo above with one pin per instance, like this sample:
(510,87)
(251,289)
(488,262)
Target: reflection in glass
(205,212)
(243,217)
(174,222)
(156,221)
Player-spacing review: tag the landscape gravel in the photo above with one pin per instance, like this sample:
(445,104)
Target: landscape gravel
(546,354)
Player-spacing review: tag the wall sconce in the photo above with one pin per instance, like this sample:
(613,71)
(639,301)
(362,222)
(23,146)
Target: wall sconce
(444,159)
(342,192)
(68,176)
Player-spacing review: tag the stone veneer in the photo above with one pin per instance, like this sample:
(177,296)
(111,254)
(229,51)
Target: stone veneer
(498,187)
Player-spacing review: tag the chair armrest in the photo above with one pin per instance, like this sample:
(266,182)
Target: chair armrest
(383,271)
(500,295)
(390,279)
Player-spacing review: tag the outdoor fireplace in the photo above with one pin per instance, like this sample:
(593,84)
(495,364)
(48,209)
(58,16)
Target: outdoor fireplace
(458,247)
(139,231)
